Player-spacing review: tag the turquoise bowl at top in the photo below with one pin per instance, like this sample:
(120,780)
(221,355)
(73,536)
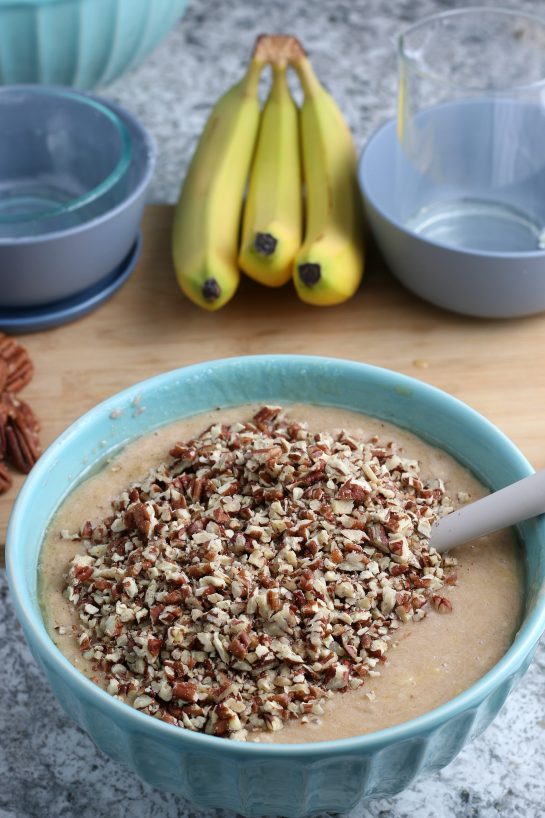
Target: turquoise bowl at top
(83,43)
(261,779)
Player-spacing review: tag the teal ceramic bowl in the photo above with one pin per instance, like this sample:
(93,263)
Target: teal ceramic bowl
(83,43)
(256,779)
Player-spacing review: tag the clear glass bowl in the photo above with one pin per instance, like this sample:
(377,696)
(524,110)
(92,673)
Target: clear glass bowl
(63,159)
(471,123)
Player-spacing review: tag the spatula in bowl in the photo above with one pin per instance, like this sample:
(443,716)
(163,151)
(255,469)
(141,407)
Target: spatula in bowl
(510,505)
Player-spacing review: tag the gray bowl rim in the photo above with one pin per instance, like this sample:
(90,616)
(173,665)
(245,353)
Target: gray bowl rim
(142,135)
(508,665)
(363,163)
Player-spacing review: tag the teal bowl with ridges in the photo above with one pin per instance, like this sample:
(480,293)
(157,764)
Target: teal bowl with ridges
(82,43)
(260,779)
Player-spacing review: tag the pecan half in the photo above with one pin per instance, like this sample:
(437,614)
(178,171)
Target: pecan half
(19,442)
(20,448)
(29,418)
(4,415)
(3,374)
(5,479)
(18,366)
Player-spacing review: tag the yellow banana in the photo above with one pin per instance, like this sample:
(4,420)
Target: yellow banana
(329,266)
(207,219)
(272,220)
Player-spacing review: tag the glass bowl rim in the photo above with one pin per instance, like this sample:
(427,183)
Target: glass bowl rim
(426,72)
(106,184)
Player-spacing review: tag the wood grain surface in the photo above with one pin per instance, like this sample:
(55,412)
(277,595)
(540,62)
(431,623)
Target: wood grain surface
(148,327)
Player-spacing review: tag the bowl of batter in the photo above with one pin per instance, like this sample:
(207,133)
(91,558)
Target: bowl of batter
(224,574)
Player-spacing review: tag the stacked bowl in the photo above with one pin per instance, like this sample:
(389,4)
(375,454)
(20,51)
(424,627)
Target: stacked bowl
(74,171)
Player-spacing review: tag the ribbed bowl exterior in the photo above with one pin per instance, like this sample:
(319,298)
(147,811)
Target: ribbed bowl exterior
(294,786)
(82,43)
(265,779)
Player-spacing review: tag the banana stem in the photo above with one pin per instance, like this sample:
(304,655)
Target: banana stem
(250,81)
(278,49)
(310,82)
(279,79)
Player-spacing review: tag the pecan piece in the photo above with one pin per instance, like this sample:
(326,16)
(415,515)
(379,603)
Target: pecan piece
(221,727)
(155,644)
(139,516)
(441,604)
(221,516)
(186,691)
(378,537)
(267,413)
(83,572)
(238,646)
(352,491)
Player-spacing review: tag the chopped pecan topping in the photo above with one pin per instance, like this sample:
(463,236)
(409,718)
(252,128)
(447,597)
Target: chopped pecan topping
(258,572)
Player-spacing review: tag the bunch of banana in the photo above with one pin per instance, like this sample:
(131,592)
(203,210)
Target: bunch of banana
(276,153)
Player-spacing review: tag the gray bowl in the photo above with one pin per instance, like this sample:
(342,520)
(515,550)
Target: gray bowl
(68,253)
(480,283)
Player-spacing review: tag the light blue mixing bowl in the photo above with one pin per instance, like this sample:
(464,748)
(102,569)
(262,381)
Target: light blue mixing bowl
(257,779)
(84,43)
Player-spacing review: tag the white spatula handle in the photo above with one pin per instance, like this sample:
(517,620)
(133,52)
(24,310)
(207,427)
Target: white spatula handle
(498,510)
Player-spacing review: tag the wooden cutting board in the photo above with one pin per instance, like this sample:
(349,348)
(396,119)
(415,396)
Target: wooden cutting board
(148,327)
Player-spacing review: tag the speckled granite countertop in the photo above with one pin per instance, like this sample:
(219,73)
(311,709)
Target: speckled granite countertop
(48,767)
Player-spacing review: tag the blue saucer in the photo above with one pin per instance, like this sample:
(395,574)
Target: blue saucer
(34,319)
